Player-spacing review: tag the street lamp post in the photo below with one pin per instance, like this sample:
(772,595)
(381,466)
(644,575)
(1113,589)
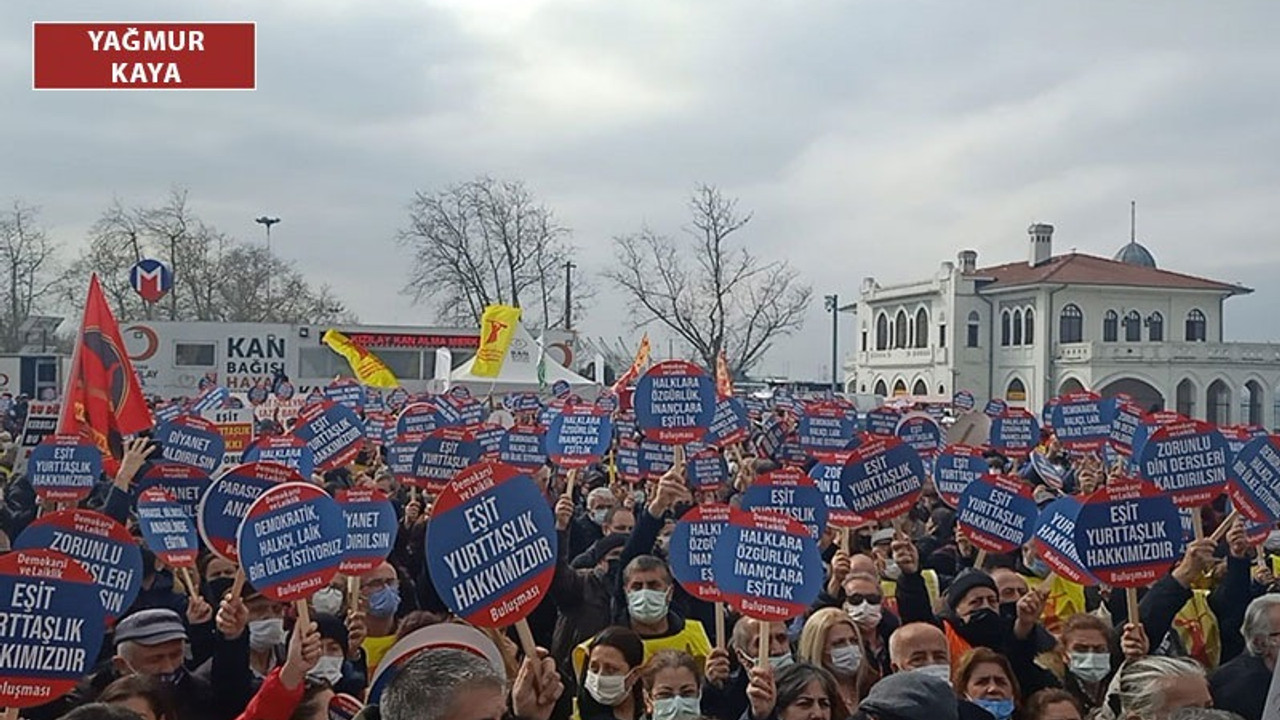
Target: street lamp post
(267,221)
(832,305)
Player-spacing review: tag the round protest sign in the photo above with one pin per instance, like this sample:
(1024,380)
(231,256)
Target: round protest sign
(1150,423)
(1254,487)
(64,468)
(1081,421)
(627,460)
(882,478)
(826,427)
(1014,432)
(53,629)
(921,432)
(607,401)
(284,450)
(706,471)
(167,529)
(397,398)
(791,492)
(771,437)
(883,421)
(1187,460)
(692,542)
(826,474)
(379,427)
(371,529)
(489,437)
(995,407)
(969,429)
(441,456)
(729,424)
(493,545)
(469,411)
(1049,472)
(1128,534)
(655,459)
(99,543)
(284,390)
(344,707)
(523,448)
(453,636)
(1125,420)
(963,401)
(997,513)
(767,566)
(955,468)
(190,440)
(1055,539)
(522,402)
(346,392)
(1046,412)
(184,483)
(400,456)
(226,503)
(579,436)
(258,394)
(675,402)
(333,432)
(292,541)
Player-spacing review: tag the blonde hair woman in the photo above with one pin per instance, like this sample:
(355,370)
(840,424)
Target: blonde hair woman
(832,641)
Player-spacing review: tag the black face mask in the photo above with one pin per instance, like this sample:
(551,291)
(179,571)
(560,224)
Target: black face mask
(1009,610)
(985,628)
(215,589)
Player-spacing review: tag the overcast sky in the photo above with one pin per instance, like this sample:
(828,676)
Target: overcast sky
(869,138)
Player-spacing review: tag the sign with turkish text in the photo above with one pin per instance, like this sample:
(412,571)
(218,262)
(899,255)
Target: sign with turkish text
(371,529)
(167,529)
(102,545)
(149,56)
(956,467)
(64,468)
(287,450)
(1187,460)
(882,478)
(767,565)
(997,513)
(191,440)
(1254,487)
(1128,533)
(441,456)
(1055,539)
(675,402)
(579,436)
(1015,432)
(226,503)
(692,543)
(292,541)
(333,432)
(1081,422)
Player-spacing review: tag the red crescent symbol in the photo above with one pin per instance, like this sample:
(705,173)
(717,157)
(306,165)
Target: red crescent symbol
(568,353)
(153,342)
(4,380)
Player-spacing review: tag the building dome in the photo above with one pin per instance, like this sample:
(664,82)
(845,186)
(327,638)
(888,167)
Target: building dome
(1135,254)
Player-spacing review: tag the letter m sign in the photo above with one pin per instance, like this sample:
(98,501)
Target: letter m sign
(151,279)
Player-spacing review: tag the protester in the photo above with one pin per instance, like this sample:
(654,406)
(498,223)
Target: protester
(985,678)
(1235,686)
(831,640)
(611,687)
(1155,686)
(672,685)
(1053,704)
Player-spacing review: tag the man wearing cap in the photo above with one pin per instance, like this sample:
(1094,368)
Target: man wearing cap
(154,643)
(584,597)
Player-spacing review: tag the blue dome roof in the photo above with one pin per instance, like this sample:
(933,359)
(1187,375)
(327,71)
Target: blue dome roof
(1135,254)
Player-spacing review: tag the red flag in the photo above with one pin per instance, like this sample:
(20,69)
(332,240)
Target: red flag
(724,381)
(637,366)
(103,401)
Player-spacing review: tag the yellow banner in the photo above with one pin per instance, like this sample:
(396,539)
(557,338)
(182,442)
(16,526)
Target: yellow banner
(367,367)
(497,327)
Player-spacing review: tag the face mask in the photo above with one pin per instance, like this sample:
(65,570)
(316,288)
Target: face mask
(941,672)
(1039,568)
(673,708)
(647,606)
(892,571)
(1090,667)
(1001,709)
(327,601)
(172,679)
(777,662)
(328,669)
(597,516)
(637,497)
(216,588)
(608,690)
(985,628)
(864,613)
(385,601)
(266,634)
(846,660)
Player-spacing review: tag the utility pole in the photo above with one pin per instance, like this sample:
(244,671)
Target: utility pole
(568,294)
(267,221)
(832,304)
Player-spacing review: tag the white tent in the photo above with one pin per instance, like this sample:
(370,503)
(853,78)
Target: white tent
(520,372)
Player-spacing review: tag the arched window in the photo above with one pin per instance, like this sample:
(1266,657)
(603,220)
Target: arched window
(1110,326)
(1029,327)
(1155,327)
(1016,392)
(1195,326)
(882,332)
(1132,326)
(1253,407)
(1217,407)
(975,324)
(899,387)
(1071,325)
(920,389)
(922,329)
(1005,329)
(1186,395)
(881,389)
(1017,327)
(900,330)
(942,389)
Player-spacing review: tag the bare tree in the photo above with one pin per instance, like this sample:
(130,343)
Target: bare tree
(715,296)
(30,278)
(489,241)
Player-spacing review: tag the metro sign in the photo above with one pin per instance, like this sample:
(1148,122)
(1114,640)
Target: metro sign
(151,279)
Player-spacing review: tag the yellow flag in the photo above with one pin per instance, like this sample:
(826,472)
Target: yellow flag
(368,368)
(497,327)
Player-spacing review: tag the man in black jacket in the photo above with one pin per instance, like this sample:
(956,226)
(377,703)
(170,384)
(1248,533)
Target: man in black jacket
(1239,686)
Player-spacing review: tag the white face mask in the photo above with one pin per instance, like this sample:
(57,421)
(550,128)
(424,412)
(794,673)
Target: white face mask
(608,690)
(675,708)
(1090,667)
(328,669)
(647,606)
(892,571)
(266,634)
(327,601)
(942,672)
(846,660)
(864,613)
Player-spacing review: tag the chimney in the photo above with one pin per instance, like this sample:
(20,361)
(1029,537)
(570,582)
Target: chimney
(1041,243)
(968,261)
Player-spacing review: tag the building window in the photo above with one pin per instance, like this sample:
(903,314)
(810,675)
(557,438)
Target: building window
(1186,396)
(1017,327)
(882,332)
(1071,325)
(942,336)
(1110,325)
(920,389)
(1004,329)
(899,387)
(1132,326)
(1016,392)
(1155,327)
(975,324)
(864,341)
(195,354)
(942,389)
(1029,322)
(900,330)
(1253,408)
(1195,326)
(922,329)
(1217,406)
(881,389)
